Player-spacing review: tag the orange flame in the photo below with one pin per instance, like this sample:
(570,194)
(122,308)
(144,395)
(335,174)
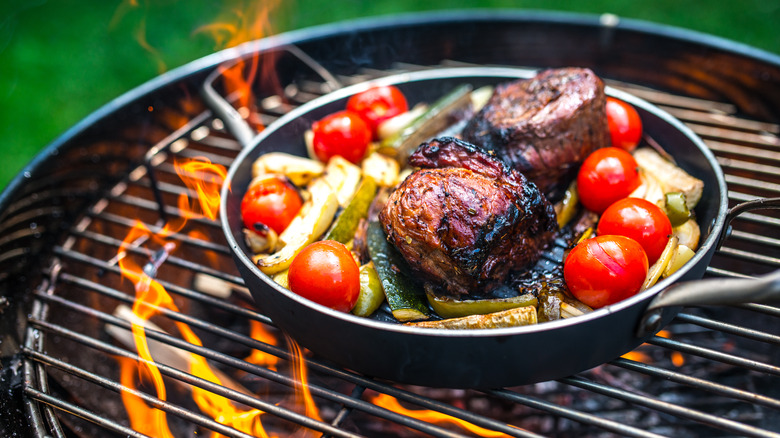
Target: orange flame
(257,357)
(638,356)
(301,376)
(143,418)
(205,179)
(392,404)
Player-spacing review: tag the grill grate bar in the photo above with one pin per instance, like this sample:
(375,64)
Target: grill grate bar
(581,417)
(729,328)
(79,411)
(755,238)
(75,255)
(260,371)
(746,166)
(117,387)
(408,397)
(734,180)
(661,406)
(181,376)
(715,355)
(695,382)
(709,117)
(750,256)
(716,133)
(129,223)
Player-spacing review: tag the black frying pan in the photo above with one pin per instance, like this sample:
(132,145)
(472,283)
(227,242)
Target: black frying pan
(494,357)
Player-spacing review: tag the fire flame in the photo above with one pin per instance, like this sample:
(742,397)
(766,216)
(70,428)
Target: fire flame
(257,357)
(205,179)
(391,403)
(639,356)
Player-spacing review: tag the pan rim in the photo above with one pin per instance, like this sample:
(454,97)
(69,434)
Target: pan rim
(714,231)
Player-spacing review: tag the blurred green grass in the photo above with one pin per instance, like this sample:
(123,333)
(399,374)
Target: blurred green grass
(63,59)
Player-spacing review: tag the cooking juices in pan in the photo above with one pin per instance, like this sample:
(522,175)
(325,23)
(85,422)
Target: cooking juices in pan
(472,242)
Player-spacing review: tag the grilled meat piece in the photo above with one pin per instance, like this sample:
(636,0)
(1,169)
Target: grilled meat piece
(465,220)
(544,126)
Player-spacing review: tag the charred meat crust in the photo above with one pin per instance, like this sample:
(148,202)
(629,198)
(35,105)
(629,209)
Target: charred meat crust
(544,126)
(466,219)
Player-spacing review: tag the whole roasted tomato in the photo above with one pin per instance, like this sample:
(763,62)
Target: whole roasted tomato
(326,273)
(378,104)
(625,126)
(272,202)
(606,175)
(605,269)
(640,220)
(342,133)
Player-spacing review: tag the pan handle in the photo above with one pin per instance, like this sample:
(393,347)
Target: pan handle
(716,291)
(234,123)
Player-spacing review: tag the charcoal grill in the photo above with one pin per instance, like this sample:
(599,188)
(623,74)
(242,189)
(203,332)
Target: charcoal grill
(713,372)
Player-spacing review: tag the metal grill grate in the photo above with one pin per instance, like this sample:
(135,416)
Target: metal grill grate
(712,374)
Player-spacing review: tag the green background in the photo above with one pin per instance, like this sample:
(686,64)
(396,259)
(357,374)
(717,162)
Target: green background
(63,59)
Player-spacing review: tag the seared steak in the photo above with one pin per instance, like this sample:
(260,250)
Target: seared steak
(544,126)
(465,220)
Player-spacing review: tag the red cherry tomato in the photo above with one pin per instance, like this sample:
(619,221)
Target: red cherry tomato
(378,104)
(606,175)
(342,133)
(326,273)
(272,202)
(625,126)
(605,269)
(640,220)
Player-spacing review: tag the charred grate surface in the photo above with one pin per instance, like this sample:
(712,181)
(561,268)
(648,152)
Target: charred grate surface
(712,373)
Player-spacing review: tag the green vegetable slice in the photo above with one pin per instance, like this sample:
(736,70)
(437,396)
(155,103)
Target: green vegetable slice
(371,294)
(676,208)
(430,123)
(407,302)
(346,223)
(450,308)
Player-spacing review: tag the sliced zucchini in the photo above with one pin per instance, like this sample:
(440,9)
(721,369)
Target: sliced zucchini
(371,295)
(343,229)
(407,302)
(311,222)
(451,308)
(516,317)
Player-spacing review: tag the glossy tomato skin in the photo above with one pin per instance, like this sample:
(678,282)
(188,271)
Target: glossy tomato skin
(326,273)
(341,133)
(625,125)
(606,175)
(640,220)
(378,104)
(272,202)
(605,269)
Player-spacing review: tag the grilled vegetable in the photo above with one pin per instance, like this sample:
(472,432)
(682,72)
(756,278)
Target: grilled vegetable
(670,177)
(688,234)
(405,299)
(680,256)
(299,170)
(450,308)
(566,208)
(313,220)
(658,268)
(371,294)
(430,123)
(382,168)
(676,208)
(346,223)
(343,177)
(516,317)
